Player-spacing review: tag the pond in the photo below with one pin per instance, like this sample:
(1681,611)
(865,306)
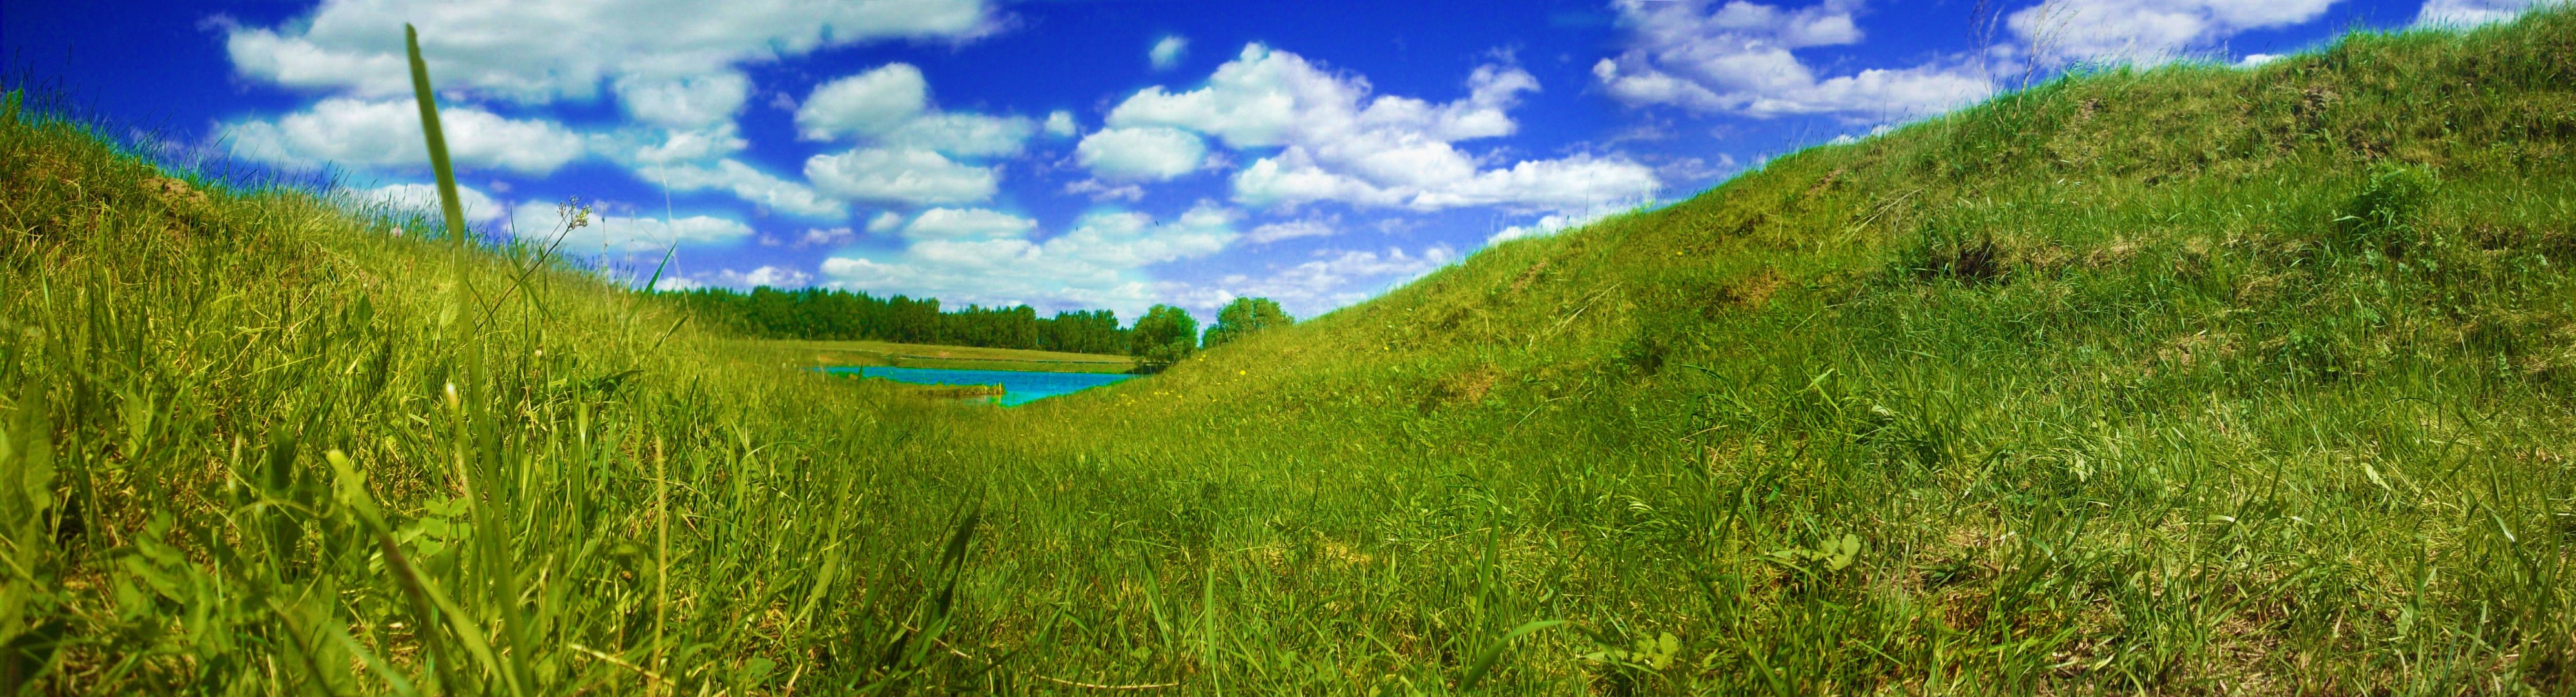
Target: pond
(1018,386)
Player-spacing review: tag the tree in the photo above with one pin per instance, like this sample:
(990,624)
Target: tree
(1164,336)
(1243,317)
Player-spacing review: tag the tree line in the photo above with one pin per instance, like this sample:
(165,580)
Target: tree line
(829,314)
(1165,335)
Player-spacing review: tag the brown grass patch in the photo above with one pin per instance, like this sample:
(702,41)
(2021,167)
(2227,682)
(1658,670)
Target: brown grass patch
(1750,292)
(1529,275)
(1463,387)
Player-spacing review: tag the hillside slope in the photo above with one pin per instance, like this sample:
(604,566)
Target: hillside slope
(2188,380)
(2201,378)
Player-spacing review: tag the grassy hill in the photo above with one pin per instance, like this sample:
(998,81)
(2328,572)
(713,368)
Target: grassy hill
(2192,380)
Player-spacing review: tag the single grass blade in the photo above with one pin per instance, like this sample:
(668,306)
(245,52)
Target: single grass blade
(447,202)
(1485,661)
(656,280)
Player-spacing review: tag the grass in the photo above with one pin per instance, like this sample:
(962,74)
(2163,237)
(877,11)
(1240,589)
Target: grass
(2191,380)
(817,354)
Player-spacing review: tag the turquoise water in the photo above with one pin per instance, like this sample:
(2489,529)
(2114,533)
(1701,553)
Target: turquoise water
(1018,386)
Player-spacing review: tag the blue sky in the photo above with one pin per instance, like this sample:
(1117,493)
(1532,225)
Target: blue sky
(1071,155)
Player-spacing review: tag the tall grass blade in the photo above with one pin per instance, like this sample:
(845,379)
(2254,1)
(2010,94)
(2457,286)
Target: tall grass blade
(1485,660)
(448,203)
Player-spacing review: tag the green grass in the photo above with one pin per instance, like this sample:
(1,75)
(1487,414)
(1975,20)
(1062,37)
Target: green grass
(2193,380)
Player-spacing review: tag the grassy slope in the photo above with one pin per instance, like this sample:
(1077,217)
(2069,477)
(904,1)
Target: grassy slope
(2083,389)
(847,353)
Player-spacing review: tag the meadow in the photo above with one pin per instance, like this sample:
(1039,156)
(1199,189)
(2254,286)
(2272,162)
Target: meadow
(2192,380)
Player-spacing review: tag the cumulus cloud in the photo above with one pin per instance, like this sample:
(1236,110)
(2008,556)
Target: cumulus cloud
(765,276)
(890,106)
(1059,123)
(1338,142)
(1295,176)
(1104,191)
(362,133)
(963,135)
(2469,13)
(1168,52)
(540,52)
(2148,31)
(917,177)
(1337,277)
(1292,229)
(423,198)
(1737,58)
(1151,153)
(686,102)
(620,234)
(967,223)
(813,237)
(869,103)
(1099,262)
(885,222)
(671,146)
(907,148)
(1549,225)
(751,185)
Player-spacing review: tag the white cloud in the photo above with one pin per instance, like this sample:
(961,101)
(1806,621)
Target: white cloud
(1337,278)
(360,133)
(1292,229)
(905,145)
(1059,123)
(1575,182)
(1266,97)
(967,223)
(1149,153)
(1103,191)
(890,106)
(870,103)
(2256,59)
(1100,262)
(814,237)
(619,234)
(769,276)
(2148,31)
(1560,184)
(423,198)
(676,145)
(1737,58)
(963,135)
(537,52)
(689,102)
(918,177)
(751,185)
(1168,52)
(885,222)
(1340,143)
(2470,13)
(1550,224)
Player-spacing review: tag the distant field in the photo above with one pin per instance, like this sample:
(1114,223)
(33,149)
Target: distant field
(843,353)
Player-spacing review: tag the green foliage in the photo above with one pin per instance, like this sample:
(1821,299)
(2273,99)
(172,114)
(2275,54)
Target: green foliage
(1164,336)
(831,314)
(2386,215)
(1244,316)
